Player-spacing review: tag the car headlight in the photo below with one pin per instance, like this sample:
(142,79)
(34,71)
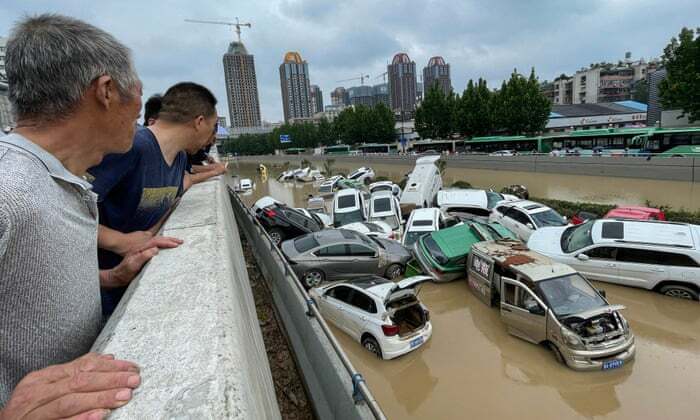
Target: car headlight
(571,339)
(625,326)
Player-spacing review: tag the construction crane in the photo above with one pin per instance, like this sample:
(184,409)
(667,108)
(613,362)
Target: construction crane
(383,75)
(361,79)
(237,24)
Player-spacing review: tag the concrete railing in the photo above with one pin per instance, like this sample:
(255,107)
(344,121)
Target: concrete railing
(190,322)
(336,389)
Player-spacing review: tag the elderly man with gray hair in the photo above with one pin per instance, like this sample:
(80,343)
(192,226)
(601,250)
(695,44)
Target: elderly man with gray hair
(76,98)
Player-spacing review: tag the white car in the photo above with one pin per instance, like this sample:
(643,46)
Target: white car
(385,186)
(364,175)
(524,217)
(349,206)
(264,202)
(470,201)
(423,183)
(328,186)
(326,219)
(503,153)
(653,255)
(421,222)
(384,207)
(377,229)
(245,184)
(385,317)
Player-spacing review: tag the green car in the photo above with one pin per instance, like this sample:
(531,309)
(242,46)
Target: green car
(443,254)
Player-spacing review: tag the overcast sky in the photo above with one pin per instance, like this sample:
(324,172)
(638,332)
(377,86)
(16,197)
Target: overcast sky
(341,39)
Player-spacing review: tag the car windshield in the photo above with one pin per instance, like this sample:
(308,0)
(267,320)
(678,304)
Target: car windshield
(492,198)
(570,295)
(346,201)
(411,237)
(435,251)
(325,188)
(424,222)
(381,205)
(305,243)
(355,174)
(381,188)
(577,237)
(340,219)
(390,220)
(548,218)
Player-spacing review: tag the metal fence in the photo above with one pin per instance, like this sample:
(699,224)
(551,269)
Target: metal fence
(337,390)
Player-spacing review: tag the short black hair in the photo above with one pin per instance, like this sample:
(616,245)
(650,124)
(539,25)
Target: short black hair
(152,108)
(186,101)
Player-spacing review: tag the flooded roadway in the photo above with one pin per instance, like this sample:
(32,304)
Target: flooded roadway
(471,368)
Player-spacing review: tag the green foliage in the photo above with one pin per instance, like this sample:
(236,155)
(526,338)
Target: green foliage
(362,124)
(461,184)
(520,107)
(640,92)
(442,166)
(681,88)
(475,111)
(435,116)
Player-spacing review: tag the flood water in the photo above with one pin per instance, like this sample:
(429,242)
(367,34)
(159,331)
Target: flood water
(472,368)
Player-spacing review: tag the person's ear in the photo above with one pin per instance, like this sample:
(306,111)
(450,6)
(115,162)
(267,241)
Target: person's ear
(104,90)
(199,122)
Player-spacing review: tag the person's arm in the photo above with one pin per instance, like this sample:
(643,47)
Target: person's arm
(85,388)
(124,243)
(127,269)
(196,178)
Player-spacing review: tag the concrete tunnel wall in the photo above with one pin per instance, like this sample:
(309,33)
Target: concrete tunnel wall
(189,321)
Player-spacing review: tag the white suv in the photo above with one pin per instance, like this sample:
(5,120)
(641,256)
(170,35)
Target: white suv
(349,206)
(653,255)
(524,217)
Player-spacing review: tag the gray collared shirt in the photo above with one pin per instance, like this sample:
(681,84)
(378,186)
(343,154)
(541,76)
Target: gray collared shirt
(49,280)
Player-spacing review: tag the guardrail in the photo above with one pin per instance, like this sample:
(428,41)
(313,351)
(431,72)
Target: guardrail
(336,388)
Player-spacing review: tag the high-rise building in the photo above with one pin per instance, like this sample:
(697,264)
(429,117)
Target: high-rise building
(296,89)
(402,85)
(340,97)
(419,92)
(437,73)
(3,45)
(316,99)
(381,94)
(361,95)
(563,88)
(655,108)
(241,87)
(6,119)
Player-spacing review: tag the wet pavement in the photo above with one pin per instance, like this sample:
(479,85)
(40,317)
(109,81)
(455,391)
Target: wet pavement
(472,368)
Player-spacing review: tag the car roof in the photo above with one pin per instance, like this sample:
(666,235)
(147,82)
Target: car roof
(328,236)
(461,197)
(425,213)
(456,240)
(646,232)
(516,256)
(526,205)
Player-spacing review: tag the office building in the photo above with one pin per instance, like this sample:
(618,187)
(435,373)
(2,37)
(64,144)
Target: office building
(3,45)
(361,95)
(316,99)
(296,89)
(437,72)
(241,87)
(6,119)
(402,86)
(381,94)
(340,97)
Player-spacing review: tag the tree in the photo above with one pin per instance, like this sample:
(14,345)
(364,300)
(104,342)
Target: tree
(538,106)
(681,87)
(520,107)
(363,124)
(640,91)
(475,114)
(434,117)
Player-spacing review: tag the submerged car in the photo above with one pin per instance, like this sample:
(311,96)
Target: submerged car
(363,175)
(349,206)
(282,222)
(330,185)
(385,317)
(545,302)
(384,207)
(636,212)
(443,254)
(524,217)
(335,254)
(377,229)
(385,186)
(470,201)
(423,221)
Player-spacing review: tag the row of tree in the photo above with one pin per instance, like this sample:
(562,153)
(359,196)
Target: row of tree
(518,107)
(681,87)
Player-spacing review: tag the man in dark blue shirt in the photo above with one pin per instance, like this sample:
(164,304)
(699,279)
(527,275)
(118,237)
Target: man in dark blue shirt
(137,189)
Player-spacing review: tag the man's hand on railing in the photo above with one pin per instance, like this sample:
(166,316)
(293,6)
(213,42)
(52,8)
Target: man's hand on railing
(126,243)
(127,269)
(86,388)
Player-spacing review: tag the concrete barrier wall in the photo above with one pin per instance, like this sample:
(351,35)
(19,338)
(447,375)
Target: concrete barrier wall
(670,169)
(189,321)
(327,379)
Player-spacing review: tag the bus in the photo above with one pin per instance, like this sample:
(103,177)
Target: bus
(378,148)
(520,144)
(340,149)
(671,142)
(435,146)
(294,151)
(606,140)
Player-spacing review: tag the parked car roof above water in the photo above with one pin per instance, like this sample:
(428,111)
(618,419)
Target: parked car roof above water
(647,232)
(518,257)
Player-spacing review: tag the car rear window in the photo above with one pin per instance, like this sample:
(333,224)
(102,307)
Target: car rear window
(435,250)
(305,243)
(372,227)
(422,223)
(346,201)
(382,204)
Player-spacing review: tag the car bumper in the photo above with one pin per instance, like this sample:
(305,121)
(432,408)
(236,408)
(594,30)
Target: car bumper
(587,360)
(430,270)
(393,347)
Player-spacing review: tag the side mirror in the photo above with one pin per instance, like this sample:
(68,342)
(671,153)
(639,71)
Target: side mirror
(602,293)
(583,257)
(530,226)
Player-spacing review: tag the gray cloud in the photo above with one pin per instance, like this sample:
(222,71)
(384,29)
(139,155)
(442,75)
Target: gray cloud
(342,39)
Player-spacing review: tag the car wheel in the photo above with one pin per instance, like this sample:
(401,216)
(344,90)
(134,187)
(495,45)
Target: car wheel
(313,278)
(371,345)
(276,235)
(556,352)
(394,271)
(678,291)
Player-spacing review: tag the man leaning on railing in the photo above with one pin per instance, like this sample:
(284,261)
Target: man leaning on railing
(76,98)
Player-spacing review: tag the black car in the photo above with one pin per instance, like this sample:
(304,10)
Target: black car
(282,222)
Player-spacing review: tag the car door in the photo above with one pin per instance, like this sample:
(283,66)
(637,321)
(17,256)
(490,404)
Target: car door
(640,267)
(358,313)
(517,221)
(361,260)
(523,313)
(600,265)
(333,260)
(334,303)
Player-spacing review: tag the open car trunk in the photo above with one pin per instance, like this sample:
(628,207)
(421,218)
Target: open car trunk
(408,315)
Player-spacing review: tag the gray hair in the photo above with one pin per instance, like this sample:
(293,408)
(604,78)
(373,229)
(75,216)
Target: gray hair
(51,61)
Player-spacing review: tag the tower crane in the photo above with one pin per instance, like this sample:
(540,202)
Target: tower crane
(361,79)
(383,76)
(236,24)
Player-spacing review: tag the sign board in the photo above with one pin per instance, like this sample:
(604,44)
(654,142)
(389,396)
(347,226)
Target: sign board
(285,138)
(479,276)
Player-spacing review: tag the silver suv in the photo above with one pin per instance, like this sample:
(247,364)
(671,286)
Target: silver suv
(653,255)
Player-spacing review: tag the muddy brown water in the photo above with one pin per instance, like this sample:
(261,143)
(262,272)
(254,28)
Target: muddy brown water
(472,368)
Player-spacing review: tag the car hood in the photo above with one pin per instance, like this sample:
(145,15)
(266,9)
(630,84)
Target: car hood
(547,240)
(592,313)
(288,249)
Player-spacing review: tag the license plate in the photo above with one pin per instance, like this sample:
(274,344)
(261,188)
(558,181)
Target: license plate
(416,342)
(613,364)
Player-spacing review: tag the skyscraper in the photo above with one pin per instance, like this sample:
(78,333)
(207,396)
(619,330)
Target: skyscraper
(361,95)
(316,99)
(296,90)
(437,72)
(241,87)
(402,85)
(340,97)
(381,94)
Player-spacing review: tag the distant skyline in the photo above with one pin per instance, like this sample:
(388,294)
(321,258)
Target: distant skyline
(340,41)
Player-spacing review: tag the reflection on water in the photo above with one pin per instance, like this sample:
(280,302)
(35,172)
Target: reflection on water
(472,368)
